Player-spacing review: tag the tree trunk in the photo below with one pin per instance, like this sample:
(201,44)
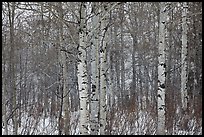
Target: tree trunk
(184,77)
(103,69)
(184,96)
(12,65)
(4,110)
(82,73)
(64,121)
(161,71)
(94,121)
(122,56)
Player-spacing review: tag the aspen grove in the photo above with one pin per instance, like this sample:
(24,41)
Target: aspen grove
(101,68)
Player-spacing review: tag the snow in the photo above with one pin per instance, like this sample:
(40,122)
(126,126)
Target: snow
(124,123)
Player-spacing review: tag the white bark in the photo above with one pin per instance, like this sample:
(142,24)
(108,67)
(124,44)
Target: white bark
(161,71)
(184,96)
(82,73)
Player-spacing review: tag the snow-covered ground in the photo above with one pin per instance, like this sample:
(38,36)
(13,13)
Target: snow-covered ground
(123,124)
(41,126)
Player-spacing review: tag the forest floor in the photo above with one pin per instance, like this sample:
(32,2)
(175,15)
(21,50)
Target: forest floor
(121,123)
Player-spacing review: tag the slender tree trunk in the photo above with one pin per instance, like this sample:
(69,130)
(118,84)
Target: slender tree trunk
(111,70)
(66,103)
(94,121)
(82,73)
(103,69)
(4,110)
(122,56)
(161,71)
(184,77)
(184,96)
(12,65)
(133,86)
(169,92)
(4,87)
(60,128)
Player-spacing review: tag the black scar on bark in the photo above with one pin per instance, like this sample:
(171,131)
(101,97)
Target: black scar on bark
(86,127)
(159,96)
(83,76)
(80,52)
(162,86)
(165,74)
(160,108)
(101,51)
(84,82)
(163,64)
(93,86)
(77,46)
(93,93)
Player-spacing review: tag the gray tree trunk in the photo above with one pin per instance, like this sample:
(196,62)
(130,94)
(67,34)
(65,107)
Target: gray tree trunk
(103,69)
(94,121)
(11,8)
(184,96)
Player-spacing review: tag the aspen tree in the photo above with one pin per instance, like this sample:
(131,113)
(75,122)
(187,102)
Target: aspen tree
(103,68)
(161,71)
(82,73)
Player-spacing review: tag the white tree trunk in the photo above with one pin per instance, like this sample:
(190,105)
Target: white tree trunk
(82,73)
(94,122)
(184,96)
(161,71)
